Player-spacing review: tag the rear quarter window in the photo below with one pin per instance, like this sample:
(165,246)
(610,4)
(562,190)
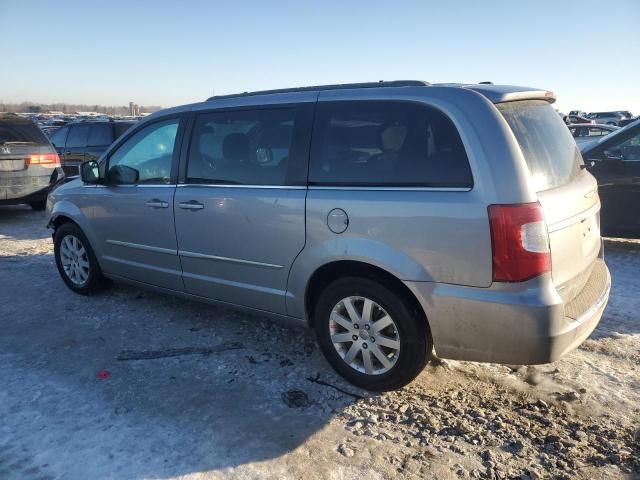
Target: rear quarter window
(547,145)
(78,136)
(386,144)
(100,134)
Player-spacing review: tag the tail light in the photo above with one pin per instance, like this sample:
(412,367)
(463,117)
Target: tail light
(45,159)
(519,241)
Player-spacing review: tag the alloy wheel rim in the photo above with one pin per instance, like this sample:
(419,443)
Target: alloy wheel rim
(364,335)
(75,260)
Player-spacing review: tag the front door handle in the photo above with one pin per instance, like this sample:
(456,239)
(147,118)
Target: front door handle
(635,179)
(155,203)
(191,205)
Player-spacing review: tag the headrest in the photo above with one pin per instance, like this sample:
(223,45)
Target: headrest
(236,147)
(392,138)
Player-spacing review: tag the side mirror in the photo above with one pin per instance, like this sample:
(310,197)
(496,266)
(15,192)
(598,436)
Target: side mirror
(90,172)
(123,175)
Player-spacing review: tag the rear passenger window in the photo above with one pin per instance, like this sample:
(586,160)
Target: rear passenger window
(100,134)
(386,144)
(78,136)
(248,147)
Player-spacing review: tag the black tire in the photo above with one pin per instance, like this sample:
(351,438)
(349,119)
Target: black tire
(412,329)
(95,281)
(39,205)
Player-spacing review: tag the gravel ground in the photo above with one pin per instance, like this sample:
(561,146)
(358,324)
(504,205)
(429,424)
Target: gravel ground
(131,384)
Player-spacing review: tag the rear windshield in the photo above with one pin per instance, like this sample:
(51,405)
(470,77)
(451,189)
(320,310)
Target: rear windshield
(546,143)
(20,130)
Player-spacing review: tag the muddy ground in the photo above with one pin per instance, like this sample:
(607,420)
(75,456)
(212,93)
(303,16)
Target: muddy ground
(132,384)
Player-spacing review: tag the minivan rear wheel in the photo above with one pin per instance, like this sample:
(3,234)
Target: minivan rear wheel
(370,334)
(76,261)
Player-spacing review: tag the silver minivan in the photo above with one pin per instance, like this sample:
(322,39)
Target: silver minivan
(394,218)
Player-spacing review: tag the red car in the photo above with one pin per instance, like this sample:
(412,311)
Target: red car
(579,119)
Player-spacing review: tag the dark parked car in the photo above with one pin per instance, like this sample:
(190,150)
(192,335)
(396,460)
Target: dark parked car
(86,140)
(615,162)
(29,165)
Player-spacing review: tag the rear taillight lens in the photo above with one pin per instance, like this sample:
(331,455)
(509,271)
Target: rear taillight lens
(520,242)
(45,159)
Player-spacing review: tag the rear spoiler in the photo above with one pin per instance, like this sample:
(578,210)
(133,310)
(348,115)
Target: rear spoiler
(507,93)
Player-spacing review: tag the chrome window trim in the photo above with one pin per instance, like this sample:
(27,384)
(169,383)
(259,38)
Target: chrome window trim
(186,253)
(221,185)
(301,187)
(148,248)
(143,185)
(409,189)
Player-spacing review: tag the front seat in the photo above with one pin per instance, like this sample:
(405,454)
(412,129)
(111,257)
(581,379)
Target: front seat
(237,165)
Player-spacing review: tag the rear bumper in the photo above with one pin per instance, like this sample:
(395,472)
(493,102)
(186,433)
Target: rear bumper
(27,190)
(525,323)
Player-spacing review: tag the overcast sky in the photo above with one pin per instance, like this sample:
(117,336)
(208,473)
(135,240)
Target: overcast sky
(174,52)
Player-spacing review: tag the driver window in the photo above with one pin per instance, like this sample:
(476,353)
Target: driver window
(248,147)
(629,150)
(146,157)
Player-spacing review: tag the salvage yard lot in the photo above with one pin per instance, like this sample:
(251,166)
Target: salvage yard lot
(132,384)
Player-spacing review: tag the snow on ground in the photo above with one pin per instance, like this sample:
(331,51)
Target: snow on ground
(233,396)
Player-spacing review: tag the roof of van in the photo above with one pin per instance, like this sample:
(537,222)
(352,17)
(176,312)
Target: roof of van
(495,93)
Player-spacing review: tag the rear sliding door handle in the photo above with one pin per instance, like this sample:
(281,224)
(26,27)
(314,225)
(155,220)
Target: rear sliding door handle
(191,205)
(155,203)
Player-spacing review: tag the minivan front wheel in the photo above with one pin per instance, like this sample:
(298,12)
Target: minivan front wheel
(370,334)
(76,261)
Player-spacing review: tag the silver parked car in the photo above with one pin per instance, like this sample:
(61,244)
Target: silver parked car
(584,134)
(29,165)
(393,218)
(607,118)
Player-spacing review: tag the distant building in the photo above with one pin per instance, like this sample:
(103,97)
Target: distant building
(132,109)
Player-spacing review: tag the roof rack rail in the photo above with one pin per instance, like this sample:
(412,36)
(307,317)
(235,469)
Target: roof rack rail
(340,86)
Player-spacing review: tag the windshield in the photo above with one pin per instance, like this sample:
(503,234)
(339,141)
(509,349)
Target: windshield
(619,131)
(549,149)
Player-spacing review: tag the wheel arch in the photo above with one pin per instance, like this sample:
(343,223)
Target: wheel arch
(331,271)
(57,221)
(65,212)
